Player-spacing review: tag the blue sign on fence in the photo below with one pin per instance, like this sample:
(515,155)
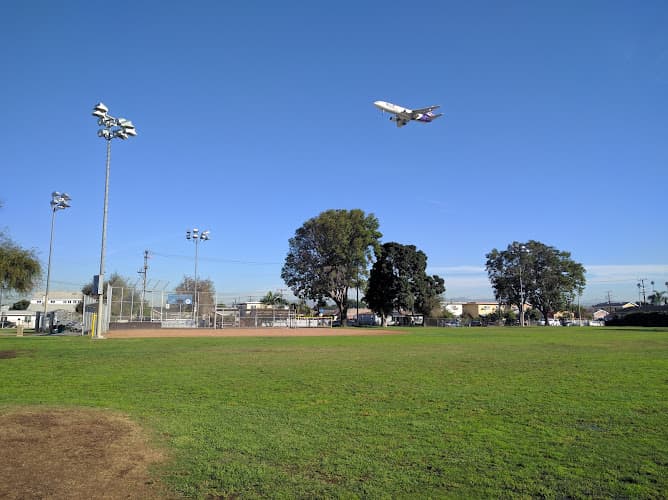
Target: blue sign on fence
(180,298)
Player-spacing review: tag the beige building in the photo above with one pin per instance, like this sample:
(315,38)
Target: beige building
(477,309)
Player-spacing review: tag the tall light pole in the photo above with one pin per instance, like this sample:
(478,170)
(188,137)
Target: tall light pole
(112,128)
(58,202)
(522,249)
(521,295)
(196,237)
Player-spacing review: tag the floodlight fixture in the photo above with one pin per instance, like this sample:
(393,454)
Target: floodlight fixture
(100,110)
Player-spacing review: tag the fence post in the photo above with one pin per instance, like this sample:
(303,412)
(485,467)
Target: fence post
(106,319)
(132,304)
(121,310)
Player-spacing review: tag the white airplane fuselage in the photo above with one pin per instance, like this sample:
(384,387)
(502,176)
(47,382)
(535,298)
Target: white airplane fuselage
(401,116)
(391,108)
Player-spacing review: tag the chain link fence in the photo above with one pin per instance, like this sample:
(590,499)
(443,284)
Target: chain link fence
(134,308)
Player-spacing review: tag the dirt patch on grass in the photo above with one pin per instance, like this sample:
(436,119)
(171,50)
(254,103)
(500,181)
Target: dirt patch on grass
(8,354)
(74,454)
(247,332)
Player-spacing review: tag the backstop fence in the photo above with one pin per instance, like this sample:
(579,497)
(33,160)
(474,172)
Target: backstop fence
(135,308)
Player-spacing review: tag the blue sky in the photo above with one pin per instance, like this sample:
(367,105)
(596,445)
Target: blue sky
(256,116)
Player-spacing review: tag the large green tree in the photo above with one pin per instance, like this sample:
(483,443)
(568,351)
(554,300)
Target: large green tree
(329,254)
(116,282)
(535,273)
(206,292)
(399,281)
(20,269)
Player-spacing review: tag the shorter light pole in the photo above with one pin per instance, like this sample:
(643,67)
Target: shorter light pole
(58,202)
(196,237)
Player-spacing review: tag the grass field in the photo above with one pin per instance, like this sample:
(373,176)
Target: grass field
(477,412)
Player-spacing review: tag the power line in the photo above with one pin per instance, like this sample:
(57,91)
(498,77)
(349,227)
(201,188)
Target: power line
(214,259)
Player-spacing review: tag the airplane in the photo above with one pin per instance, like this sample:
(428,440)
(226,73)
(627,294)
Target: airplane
(401,116)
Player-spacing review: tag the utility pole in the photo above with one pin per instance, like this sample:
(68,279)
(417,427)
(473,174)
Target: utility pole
(609,303)
(641,288)
(143,288)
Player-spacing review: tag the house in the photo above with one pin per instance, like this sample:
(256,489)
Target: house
(600,314)
(25,318)
(612,307)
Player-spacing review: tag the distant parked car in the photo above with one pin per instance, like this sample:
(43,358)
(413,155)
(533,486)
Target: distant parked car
(73,326)
(7,324)
(448,322)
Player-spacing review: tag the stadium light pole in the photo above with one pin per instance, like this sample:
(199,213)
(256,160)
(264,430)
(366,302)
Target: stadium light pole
(195,236)
(112,128)
(522,249)
(59,201)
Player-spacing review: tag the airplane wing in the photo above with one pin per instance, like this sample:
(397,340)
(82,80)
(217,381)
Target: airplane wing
(425,110)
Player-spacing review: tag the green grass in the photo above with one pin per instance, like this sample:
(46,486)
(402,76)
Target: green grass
(479,412)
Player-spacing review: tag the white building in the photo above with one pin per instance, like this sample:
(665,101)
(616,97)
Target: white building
(58,301)
(455,308)
(25,318)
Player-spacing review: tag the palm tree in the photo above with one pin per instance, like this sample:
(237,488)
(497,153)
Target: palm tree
(657,298)
(273,299)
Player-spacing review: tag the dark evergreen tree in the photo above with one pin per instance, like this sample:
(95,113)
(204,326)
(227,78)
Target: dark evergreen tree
(399,281)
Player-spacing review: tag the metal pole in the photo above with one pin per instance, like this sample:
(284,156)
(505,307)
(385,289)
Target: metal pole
(357,299)
(521,295)
(143,289)
(48,269)
(100,284)
(195,298)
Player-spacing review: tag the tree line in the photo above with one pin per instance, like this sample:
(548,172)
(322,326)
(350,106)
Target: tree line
(340,250)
